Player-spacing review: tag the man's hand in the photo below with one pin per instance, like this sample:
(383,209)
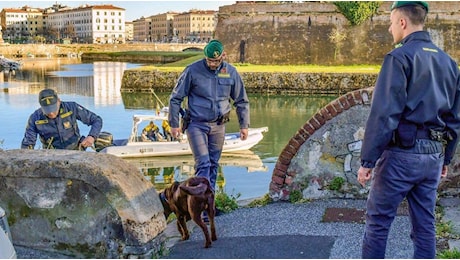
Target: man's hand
(364,175)
(176,132)
(87,142)
(444,171)
(244,134)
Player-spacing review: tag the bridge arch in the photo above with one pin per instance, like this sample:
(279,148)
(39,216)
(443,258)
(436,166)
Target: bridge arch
(193,48)
(291,172)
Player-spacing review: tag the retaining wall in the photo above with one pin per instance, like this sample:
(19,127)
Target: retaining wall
(258,82)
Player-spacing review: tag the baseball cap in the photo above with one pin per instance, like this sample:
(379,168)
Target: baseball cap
(48,100)
(397,4)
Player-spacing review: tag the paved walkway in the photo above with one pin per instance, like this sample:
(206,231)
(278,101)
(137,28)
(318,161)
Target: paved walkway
(285,230)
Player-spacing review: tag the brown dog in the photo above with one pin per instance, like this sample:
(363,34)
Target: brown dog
(187,200)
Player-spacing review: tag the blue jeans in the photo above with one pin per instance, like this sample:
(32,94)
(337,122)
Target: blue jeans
(401,174)
(206,141)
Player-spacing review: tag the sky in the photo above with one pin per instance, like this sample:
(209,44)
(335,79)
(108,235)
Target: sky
(133,9)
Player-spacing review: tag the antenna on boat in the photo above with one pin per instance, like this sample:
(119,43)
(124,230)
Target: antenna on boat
(158,99)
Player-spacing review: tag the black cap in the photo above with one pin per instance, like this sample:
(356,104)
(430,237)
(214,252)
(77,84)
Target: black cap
(48,100)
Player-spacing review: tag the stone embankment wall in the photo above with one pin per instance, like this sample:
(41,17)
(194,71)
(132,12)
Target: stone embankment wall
(82,204)
(262,82)
(317,33)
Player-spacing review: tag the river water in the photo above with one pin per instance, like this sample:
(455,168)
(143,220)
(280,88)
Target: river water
(96,86)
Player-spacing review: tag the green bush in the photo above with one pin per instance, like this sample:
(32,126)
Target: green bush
(295,196)
(357,12)
(336,183)
(226,203)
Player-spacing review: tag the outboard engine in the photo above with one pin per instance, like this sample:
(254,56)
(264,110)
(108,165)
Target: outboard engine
(104,140)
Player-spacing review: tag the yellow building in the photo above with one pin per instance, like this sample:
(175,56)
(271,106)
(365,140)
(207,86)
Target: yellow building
(162,27)
(194,26)
(20,25)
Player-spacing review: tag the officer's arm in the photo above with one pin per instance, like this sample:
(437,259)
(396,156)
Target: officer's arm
(240,101)
(91,119)
(178,94)
(30,135)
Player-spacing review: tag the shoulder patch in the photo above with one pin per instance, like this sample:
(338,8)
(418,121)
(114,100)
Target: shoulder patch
(41,122)
(429,49)
(66,114)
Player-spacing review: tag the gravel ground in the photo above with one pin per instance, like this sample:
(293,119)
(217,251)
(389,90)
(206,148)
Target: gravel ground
(306,219)
(283,218)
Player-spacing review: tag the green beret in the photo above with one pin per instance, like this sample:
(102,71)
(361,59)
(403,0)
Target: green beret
(213,49)
(397,4)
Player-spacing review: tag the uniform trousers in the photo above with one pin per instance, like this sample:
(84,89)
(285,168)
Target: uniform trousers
(400,173)
(206,141)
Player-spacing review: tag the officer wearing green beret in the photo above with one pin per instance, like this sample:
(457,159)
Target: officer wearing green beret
(411,133)
(209,84)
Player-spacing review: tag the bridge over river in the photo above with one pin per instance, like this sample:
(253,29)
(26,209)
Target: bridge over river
(54,50)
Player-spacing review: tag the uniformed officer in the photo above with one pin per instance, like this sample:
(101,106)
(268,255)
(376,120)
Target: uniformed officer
(56,124)
(209,84)
(414,116)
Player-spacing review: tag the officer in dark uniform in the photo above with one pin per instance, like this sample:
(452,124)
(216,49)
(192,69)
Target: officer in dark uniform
(209,84)
(56,124)
(413,127)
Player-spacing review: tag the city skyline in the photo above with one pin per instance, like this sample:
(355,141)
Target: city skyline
(133,9)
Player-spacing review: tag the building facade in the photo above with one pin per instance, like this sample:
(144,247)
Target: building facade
(104,24)
(141,28)
(195,26)
(21,24)
(84,24)
(129,31)
(162,27)
(89,24)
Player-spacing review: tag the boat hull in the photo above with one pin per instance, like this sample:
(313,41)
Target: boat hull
(232,143)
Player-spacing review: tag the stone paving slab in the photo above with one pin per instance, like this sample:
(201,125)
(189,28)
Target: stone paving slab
(257,247)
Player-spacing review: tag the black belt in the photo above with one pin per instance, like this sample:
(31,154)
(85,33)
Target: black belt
(431,135)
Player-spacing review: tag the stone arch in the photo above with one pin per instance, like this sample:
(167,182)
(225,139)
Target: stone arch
(197,49)
(82,204)
(282,182)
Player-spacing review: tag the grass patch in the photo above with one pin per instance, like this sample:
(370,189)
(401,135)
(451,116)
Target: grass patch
(264,201)
(190,57)
(448,254)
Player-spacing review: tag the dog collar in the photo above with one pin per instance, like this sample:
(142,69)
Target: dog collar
(163,197)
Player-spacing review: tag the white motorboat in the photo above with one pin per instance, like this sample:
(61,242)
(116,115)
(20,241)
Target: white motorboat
(136,146)
(8,64)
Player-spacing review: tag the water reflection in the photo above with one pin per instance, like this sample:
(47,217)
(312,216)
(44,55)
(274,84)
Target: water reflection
(162,171)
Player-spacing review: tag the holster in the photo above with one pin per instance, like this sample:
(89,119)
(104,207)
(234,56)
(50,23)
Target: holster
(223,119)
(405,135)
(185,119)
